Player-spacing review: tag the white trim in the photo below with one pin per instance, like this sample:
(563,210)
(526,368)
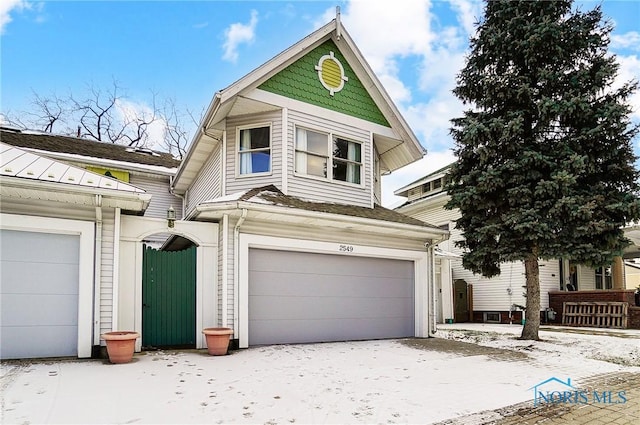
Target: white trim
(116,270)
(225,268)
(86,231)
(285,150)
(317,111)
(205,235)
(238,153)
(247,241)
(223,165)
(372,174)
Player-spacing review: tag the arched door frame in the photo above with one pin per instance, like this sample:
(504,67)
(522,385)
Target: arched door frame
(127,304)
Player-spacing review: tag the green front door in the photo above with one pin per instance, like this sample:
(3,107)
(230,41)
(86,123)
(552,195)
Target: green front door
(169,298)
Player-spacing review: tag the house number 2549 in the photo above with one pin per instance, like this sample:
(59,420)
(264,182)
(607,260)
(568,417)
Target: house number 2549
(345,248)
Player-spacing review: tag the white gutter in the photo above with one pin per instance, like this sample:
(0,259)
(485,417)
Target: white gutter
(333,217)
(225,268)
(97,279)
(236,267)
(172,191)
(115,310)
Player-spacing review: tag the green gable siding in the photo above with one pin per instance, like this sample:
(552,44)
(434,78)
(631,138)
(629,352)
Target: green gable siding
(300,81)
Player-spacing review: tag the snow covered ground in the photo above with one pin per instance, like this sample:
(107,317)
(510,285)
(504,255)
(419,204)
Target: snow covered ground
(390,381)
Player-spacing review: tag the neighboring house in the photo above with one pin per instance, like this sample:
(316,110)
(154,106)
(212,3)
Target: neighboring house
(282,239)
(498,299)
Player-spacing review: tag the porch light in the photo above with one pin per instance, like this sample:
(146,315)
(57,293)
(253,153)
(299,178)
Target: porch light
(171,216)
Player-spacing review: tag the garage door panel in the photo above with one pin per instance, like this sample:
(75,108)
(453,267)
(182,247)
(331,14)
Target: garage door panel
(42,342)
(305,297)
(299,308)
(42,247)
(39,289)
(291,284)
(36,278)
(298,331)
(39,310)
(339,265)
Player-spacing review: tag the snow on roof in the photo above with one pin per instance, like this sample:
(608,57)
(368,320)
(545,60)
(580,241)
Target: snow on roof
(16,162)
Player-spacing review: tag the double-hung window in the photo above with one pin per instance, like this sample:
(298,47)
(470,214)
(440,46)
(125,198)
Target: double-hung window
(327,156)
(254,150)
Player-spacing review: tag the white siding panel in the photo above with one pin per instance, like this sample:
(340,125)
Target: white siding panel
(549,280)
(106,271)
(236,183)
(161,198)
(208,184)
(586,278)
(325,190)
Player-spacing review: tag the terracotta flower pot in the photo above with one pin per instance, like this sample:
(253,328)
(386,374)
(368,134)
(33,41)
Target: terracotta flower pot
(120,345)
(218,340)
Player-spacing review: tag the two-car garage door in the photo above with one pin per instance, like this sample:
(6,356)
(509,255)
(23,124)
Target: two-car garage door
(39,281)
(307,297)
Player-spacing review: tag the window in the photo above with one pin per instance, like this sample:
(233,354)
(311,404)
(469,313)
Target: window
(311,153)
(313,157)
(603,278)
(437,184)
(254,150)
(347,161)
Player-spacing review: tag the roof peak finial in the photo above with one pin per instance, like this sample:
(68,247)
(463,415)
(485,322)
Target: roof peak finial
(338,25)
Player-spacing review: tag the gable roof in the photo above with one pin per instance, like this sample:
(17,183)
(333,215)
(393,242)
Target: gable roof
(47,142)
(397,145)
(404,191)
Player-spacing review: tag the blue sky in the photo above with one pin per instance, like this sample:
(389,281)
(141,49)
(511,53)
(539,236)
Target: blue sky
(188,50)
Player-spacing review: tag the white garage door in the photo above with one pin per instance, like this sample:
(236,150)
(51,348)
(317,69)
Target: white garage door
(302,297)
(38,294)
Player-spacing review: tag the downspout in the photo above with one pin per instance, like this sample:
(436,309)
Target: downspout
(97,278)
(236,256)
(172,191)
(432,274)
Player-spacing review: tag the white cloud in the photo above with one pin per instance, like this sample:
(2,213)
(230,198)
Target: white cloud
(237,34)
(6,7)
(630,40)
(469,12)
(129,112)
(630,70)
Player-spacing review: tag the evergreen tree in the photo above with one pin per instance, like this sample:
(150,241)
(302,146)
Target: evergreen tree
(545,161)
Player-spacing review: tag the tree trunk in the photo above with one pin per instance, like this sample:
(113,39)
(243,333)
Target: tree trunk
(532,316)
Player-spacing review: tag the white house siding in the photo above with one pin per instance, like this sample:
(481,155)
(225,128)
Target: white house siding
(230,272)
(106,270)
(586,278)
(500,292)
(237,183)
(325,190)
(549,280)
(208,184)
(161,198)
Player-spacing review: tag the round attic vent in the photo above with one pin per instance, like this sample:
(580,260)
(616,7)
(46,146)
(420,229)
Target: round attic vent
(331,73)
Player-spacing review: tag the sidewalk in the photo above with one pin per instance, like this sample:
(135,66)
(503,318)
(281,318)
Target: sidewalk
(589,413)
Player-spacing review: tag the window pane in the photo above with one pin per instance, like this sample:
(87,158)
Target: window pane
(255,162)
(254,138)
(346,172)
(310,141)
(346,150)
(316,166)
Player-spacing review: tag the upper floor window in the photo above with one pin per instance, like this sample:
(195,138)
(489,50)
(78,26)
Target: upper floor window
(254,150)
(314,157)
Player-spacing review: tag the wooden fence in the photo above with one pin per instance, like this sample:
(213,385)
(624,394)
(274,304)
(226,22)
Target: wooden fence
(595,314)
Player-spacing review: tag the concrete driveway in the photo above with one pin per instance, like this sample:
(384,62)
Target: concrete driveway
(388,381)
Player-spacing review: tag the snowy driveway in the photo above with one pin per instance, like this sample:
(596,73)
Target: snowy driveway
(390,381)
